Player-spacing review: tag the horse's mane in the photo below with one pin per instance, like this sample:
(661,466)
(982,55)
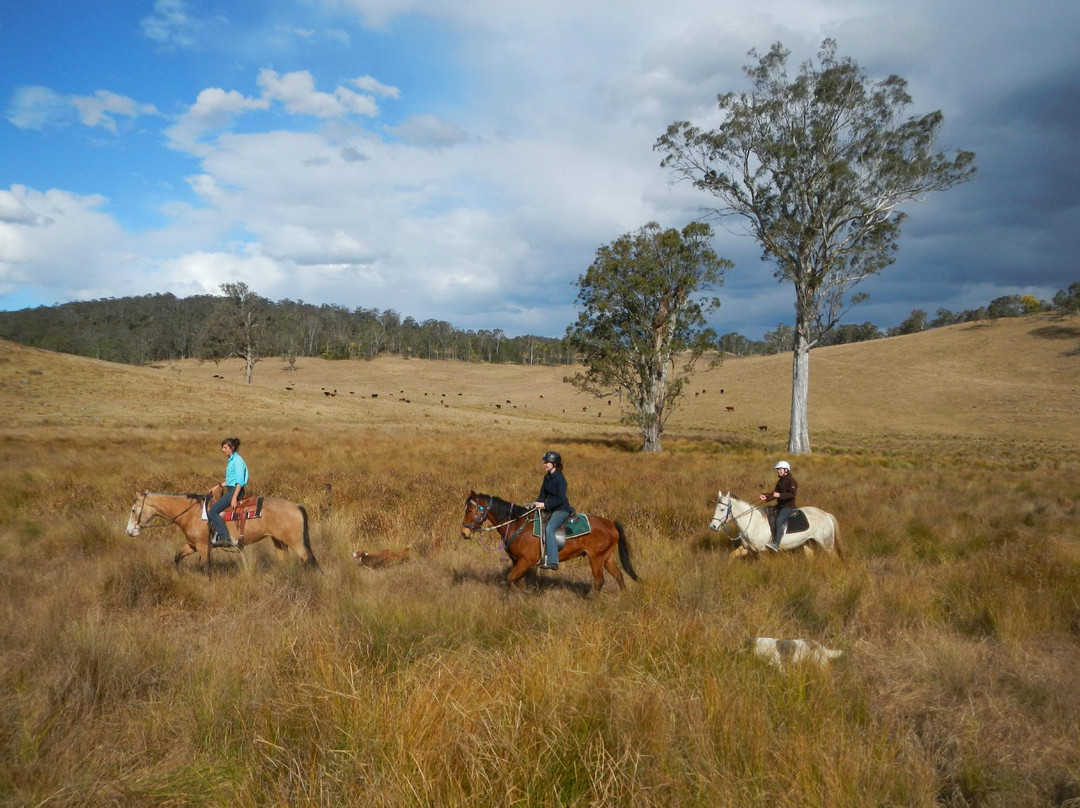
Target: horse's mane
(504,510)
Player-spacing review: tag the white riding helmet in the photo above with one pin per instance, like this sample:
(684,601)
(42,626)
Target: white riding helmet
(783,464)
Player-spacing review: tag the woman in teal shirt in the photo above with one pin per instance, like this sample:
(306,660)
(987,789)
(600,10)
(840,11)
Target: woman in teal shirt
(236,478)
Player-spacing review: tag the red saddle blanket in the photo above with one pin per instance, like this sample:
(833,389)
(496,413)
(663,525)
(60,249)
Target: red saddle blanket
(250,508)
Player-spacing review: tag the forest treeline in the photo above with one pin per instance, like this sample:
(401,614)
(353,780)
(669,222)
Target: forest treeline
(162,327)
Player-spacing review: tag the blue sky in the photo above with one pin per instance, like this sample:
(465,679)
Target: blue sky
(464,161)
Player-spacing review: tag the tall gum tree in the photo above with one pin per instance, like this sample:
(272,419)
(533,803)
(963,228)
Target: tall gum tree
(817,166)
(237,327)
(642,325)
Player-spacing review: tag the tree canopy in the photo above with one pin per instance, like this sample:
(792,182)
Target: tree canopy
(816,166)
(642,324)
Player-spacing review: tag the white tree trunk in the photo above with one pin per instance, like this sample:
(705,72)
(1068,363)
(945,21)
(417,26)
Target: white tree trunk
(799,434)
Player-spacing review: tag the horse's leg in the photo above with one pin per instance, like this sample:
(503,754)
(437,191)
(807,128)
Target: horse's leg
(597,564)
(517,572)
(808,549)
(835,538)
(198,539)
(300,540)
(738,552)
(185,551)
(614,571)
(304,553)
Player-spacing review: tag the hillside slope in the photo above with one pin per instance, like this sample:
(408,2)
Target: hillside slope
(1011,377)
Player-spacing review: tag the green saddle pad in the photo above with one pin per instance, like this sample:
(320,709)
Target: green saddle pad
(576,525)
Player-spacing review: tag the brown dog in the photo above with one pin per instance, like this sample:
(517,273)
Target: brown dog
(381,558)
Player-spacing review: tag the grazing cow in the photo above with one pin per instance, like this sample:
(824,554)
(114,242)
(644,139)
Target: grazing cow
(777,652)
(762,428)
(730,409)
(381,558)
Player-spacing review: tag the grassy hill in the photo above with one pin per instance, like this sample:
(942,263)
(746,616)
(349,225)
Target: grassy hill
(947,457)
(1011,377)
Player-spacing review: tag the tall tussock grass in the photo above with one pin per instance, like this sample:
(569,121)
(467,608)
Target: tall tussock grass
(127,681)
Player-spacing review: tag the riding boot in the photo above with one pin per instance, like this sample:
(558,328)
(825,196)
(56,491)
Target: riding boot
(780,531)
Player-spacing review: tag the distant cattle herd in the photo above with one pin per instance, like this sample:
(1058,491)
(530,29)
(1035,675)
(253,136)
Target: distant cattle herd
(401,398)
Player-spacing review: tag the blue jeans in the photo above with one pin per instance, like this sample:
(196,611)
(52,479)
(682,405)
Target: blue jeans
(213,513)
(551,554)
(782,517)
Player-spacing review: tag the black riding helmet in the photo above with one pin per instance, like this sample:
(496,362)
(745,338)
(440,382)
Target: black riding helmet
(552,457)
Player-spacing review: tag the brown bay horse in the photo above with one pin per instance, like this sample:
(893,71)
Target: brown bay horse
(514,525)
(284,522)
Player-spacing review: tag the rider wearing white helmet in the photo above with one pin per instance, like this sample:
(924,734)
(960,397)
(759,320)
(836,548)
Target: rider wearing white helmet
(784,494)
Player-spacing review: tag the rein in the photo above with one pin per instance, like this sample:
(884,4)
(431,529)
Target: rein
(172,521)
(730,517)
(483,511)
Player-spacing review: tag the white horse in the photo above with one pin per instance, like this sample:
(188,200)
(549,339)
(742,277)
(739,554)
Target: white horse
(755,531)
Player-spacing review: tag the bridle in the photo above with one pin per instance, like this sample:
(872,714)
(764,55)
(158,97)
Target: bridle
(142,506)
(731,517)
(482,513)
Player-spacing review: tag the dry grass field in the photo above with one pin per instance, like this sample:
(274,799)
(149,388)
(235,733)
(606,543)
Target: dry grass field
(949,458)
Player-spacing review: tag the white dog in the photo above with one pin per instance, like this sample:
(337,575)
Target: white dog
(777,652)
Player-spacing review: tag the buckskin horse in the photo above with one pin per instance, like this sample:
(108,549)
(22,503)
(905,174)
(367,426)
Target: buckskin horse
(284,522)
(514,525)
(755,531)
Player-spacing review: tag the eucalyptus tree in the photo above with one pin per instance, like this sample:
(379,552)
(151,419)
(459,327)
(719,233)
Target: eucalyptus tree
(238,327)
(642,328)
(816,166)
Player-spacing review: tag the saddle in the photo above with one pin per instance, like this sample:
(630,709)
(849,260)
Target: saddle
(576,525)
(247,508)
(798,521)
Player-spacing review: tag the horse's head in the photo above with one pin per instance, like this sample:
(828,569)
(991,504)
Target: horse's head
(140,515)
(722,514)
(477,508)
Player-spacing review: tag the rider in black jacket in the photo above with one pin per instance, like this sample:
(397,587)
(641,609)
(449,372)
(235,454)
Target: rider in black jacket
(784,494)
(552,498)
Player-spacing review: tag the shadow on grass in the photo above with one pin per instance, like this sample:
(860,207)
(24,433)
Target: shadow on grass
(1056,332)
(531,582)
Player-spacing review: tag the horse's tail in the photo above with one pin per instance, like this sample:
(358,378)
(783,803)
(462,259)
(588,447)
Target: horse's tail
(311,562)
(624,552)
(836,538)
